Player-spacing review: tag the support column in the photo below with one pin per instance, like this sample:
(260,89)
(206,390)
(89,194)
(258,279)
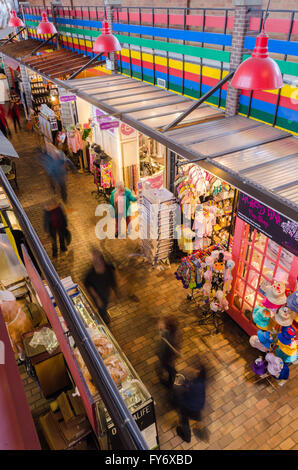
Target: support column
(244,10)
(110,5)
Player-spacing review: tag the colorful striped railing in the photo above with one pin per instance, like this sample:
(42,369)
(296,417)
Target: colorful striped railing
(203,62)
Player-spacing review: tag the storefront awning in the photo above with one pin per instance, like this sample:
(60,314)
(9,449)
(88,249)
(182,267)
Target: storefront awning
(54,64)
(6,149)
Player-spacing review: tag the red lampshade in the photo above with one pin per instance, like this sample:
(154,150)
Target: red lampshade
(45,27)
(14,21)
(258,72)
(106,42)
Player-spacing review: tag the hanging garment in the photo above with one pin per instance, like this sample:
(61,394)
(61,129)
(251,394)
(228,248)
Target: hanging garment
(106,178)
(74,141)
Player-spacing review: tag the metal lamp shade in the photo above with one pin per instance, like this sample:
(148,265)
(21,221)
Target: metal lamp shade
(14,21)
(45,27)
(106,42)
(258,72)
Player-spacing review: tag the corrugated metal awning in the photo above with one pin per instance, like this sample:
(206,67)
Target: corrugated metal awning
(153,106)
(54,64)
(273,165)
(6,148)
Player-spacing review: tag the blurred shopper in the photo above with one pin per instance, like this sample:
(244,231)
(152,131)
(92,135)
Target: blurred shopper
(189,399)
(168,349)
(55,166)
(99,281)
(14,114)
(3,122)
(120,199)
(55,224)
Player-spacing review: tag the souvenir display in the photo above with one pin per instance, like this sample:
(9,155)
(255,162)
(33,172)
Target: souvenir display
(210,202)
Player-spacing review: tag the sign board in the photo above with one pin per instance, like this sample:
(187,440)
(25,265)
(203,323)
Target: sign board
(66,98)
(108,125)
(275,226)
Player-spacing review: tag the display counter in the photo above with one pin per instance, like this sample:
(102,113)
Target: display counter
(131,388)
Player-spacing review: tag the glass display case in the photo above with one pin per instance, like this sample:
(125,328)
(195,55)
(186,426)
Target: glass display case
(131,388)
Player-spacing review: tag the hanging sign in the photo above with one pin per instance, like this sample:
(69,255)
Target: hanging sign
(66,98)
(275,226)
(108,124)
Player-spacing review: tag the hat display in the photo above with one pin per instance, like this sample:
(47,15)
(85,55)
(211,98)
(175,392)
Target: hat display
(261,317)
(292,301)
(284,373)
(6,296)
(275,364)
(285,357)
(288,349)
(284,316)
(259,366)
(287,335)
(276,293)
(255,343)
(265,338)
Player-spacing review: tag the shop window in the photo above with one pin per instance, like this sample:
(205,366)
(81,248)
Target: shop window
(260,261)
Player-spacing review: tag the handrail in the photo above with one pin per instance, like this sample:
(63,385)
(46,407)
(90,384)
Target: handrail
(127,428)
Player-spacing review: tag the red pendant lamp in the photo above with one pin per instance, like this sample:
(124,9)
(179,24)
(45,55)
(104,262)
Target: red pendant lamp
(106,42)
(45,27)
(258,72)
(14,20)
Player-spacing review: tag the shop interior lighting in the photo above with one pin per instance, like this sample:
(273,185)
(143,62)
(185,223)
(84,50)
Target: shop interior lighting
(106,42)
(45,27)
(258,72)
(14,20)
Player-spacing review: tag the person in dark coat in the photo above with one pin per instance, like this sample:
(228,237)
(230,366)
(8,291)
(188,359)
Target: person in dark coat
(3,122)
(14,113)
(189,400)
(168,349)
(99,281)
(55,223)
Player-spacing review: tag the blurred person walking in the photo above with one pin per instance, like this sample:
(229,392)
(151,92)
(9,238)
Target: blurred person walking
(14,114)
(55,223)
(189,400)
(121,199)
(168,349)
(55,166)
(99,281)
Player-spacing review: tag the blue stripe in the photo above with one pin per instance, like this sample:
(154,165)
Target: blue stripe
(36,18)
(269,108)
(274,45)
(194,36)
(87,23)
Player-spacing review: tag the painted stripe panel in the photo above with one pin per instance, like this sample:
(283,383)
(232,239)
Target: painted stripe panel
(280,47)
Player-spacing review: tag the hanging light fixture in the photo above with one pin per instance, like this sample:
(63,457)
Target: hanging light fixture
(14,20)
(258,72)
(106,42)
(45,27)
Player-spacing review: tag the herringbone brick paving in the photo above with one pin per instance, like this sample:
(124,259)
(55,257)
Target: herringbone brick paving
(239,414)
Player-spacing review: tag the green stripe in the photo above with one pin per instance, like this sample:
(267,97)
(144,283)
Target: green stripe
(290,68)
(193,51)
(268,118)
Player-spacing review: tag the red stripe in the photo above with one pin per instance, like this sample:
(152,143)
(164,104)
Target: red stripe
(275,25)
(284,101)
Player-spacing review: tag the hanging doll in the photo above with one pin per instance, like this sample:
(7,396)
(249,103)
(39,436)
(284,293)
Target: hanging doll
(221,300)
(218,273)
(209,263)
(228,276)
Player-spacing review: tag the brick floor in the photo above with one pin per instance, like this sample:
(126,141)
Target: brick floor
(238,413)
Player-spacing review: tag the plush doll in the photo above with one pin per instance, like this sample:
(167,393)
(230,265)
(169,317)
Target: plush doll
(228,275)
(223,303)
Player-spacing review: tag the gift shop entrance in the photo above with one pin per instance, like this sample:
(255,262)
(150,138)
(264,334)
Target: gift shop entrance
(264,250)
